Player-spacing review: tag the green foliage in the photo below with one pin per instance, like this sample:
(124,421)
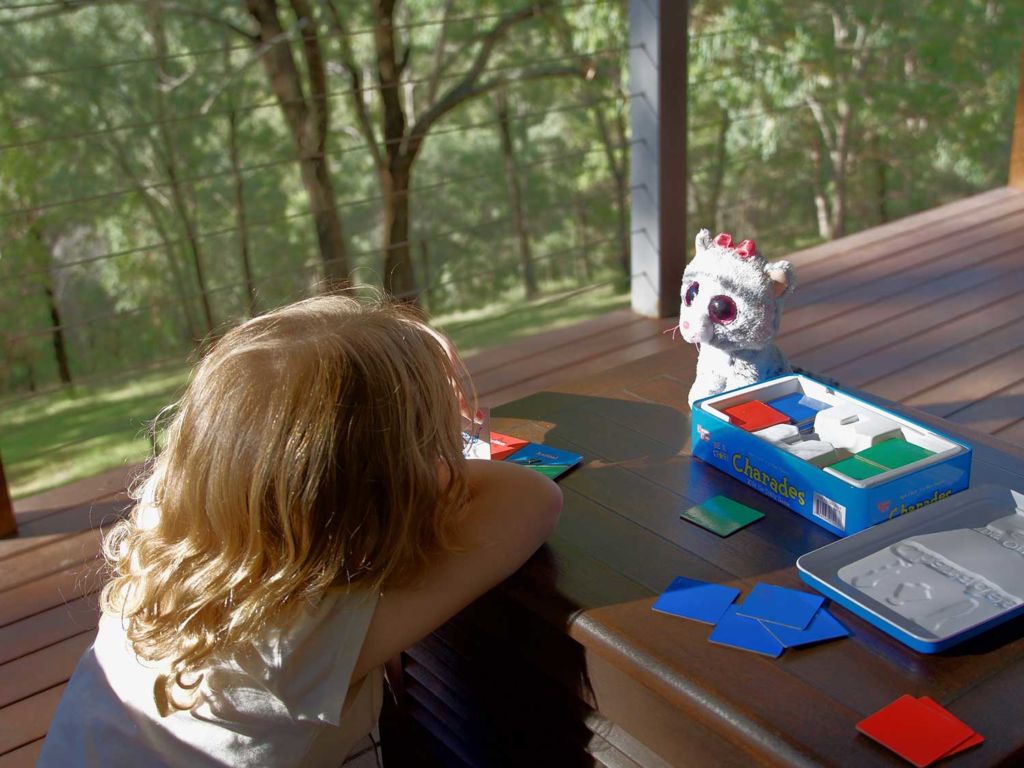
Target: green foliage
(845,115)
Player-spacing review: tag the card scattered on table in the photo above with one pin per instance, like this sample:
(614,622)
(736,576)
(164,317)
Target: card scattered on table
(824,626)
(789,607)
(503,446)
(917,730)
(745,626)
(549,461)
(972,741)
(697,600)
(721,515)
(748,634)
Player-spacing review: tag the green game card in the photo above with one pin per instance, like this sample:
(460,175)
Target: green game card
(894,453)
(857,468)
(721,515)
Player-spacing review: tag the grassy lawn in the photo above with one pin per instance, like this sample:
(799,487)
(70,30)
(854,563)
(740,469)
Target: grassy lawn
(53,439)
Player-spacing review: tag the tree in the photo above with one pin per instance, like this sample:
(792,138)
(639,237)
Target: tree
(308,118)
(401,139)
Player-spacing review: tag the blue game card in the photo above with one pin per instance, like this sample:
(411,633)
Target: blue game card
(697,600)
(824,626)
(800,408)
(548,461)
(779,605)
(746,634)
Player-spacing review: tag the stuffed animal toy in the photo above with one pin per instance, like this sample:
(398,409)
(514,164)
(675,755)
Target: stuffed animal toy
(732,304)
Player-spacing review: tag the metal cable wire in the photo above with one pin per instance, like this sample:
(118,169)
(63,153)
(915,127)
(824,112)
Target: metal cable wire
(182,359)
(249,108)
(229,230)
(729,31)
(12,337)
(229,172)
(200,52)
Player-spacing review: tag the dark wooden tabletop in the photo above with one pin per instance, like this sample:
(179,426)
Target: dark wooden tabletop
(620,542)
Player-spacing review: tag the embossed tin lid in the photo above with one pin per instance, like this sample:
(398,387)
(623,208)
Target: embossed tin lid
(935,576)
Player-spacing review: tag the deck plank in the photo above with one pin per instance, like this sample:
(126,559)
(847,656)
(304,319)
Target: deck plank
(51,591)
(952,376)
(42,669)
(877,296)
(971,310)
(914,223)
(20,638)
(25,721)
(907,246)
(22,757)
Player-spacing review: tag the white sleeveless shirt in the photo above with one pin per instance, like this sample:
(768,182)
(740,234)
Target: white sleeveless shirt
(287,700)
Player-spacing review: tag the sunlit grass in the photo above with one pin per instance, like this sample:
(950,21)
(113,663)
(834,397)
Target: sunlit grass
(59,437)
(56,438)
(506,322)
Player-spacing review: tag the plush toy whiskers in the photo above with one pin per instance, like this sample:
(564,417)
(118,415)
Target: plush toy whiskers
(731,308)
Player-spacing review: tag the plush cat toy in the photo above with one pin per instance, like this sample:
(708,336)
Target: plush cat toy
(732,304)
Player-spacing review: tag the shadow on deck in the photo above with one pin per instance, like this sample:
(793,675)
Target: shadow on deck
(925,311)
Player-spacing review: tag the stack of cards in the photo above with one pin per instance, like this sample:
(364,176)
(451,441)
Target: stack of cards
(721,515)
(503,446)
(754,415)
(919,730)
(551,462)
(770,620)
(800,408)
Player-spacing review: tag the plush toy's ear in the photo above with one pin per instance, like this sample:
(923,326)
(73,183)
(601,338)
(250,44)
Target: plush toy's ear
(782,277)
(703,241)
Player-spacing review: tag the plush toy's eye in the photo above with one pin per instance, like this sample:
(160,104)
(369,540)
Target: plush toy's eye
(722,310)
(691,293)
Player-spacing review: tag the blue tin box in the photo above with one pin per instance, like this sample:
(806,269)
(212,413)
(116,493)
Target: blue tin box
(834,501)
(933,578)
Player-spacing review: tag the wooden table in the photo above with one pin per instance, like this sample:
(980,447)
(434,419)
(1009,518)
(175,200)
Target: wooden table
(566,664)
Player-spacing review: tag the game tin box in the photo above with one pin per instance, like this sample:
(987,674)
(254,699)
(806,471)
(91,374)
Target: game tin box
(840,504)
(935,577)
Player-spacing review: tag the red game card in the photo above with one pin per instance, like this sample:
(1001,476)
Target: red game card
(503,446)
(754,415)
(915,730)
(972,741)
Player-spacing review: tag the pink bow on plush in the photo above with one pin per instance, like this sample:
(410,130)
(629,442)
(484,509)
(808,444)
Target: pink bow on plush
(744,250)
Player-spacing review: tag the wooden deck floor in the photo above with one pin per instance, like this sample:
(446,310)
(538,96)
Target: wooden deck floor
(925,311)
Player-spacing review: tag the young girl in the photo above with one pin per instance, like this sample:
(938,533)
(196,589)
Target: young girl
(310,516)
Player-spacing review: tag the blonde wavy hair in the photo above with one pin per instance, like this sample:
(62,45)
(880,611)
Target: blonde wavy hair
(315,446)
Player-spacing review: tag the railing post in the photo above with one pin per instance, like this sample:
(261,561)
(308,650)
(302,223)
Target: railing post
(1017,145)
(8,524)
(657,78)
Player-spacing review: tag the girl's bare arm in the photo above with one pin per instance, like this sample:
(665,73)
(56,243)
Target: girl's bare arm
(511,511)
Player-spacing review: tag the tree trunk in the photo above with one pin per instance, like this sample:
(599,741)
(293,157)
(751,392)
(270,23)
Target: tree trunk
(59,347)
(580,209)
(399,278)
(427,270)
(307,122)
(620,176)
(515,194)
(60,351)
(170,157)
(821,203)
(120,156)
(241,223)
